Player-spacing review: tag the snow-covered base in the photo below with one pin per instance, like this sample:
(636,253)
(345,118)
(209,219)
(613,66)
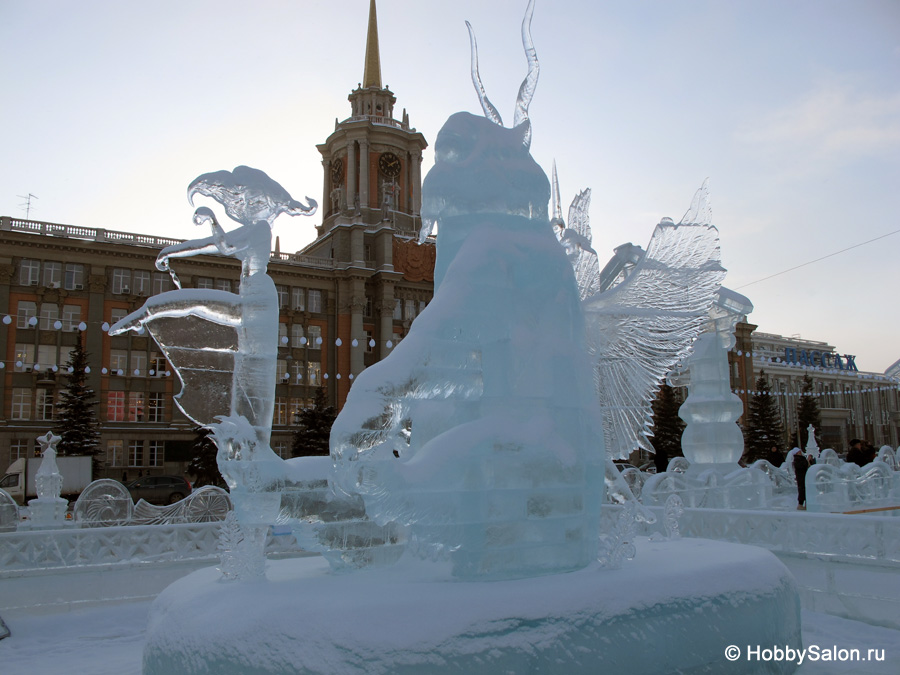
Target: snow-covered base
(674,608)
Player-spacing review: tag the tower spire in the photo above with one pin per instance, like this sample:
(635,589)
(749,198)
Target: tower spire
(372,73)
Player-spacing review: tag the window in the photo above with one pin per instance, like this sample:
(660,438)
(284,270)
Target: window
(115,406)
(398,309)
(282,334)
(21,404)
(46,356)
(297,335)
(422,306)
(116,314)
(121,280)
(281,369)
(71,317)
(49,315)
(44,404)
(224,285)
(369,346)
(410,310)
(141,282)
(298,298)
(118,361)
(314,373)
(162,282)
(298,369)
(26,311)
(158,365)
(18,449)
(135,406)
(155,453)
(114,452)
(155,409)
(24,357)
(205,282)
(136,453)
(315,301)
(74,277)
(314,336)
(367,311)
(281,411)
(29,272)
(282,449)
(138,364)
(52,274)
(282,296)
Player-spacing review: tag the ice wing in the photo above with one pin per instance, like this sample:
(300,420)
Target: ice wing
(639,329)
(202,354)
(577,239)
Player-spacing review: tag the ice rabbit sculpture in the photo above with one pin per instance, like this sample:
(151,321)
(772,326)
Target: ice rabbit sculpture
(481,431)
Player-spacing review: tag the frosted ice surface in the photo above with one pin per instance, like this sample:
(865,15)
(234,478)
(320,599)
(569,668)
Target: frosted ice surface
(481,431)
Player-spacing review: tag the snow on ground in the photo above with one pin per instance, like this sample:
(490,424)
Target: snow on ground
(109,640)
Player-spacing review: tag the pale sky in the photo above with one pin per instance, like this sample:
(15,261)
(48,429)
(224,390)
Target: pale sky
(790,107)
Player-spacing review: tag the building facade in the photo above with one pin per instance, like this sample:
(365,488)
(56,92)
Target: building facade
(345,301)
(853,403)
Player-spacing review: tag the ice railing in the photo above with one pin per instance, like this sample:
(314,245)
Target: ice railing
(831,485)
(107,503)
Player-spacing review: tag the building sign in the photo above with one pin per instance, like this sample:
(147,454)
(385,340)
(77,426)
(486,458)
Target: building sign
(817,358)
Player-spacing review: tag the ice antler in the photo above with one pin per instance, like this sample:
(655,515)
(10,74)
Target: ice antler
(529,84)
(527,88)
(489,110)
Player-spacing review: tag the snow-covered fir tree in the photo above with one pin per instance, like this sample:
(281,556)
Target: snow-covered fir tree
(314,428)
(763,428)
(76,417)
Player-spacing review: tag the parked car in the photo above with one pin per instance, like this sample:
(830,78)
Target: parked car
(621,464)
(159,489)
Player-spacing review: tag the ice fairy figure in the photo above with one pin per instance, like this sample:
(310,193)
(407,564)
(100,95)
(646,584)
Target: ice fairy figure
(222,345)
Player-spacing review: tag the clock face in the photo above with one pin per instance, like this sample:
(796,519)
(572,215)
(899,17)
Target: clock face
(337,171)
(389,164)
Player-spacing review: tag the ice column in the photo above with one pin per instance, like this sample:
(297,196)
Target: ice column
(711,409)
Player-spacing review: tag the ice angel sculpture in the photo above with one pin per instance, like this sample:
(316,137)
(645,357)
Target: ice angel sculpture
(643,310)
(222,345)
(475,434)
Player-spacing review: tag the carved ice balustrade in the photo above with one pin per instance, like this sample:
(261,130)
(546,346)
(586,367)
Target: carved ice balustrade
(850,487)
(107,503)
(838,536)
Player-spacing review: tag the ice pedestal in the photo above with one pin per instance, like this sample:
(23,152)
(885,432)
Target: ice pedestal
(674,608)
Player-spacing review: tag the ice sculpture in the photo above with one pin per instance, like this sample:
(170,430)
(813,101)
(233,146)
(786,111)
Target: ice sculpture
(484,442)
(49,509)
(641,324)
(223,346)
(711,409)
(812,447)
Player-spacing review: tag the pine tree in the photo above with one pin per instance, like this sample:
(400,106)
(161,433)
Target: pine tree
(763,428)
(808,411)
(203,464)
(667,425)
(76,417)
(314,428)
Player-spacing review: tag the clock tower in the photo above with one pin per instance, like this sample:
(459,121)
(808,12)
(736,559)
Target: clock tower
(372,196)
(372,161)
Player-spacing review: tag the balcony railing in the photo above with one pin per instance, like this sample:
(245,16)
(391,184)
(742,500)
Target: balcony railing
(101,235)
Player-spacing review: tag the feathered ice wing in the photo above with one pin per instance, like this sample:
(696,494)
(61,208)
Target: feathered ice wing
(577,240)
(639,329)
